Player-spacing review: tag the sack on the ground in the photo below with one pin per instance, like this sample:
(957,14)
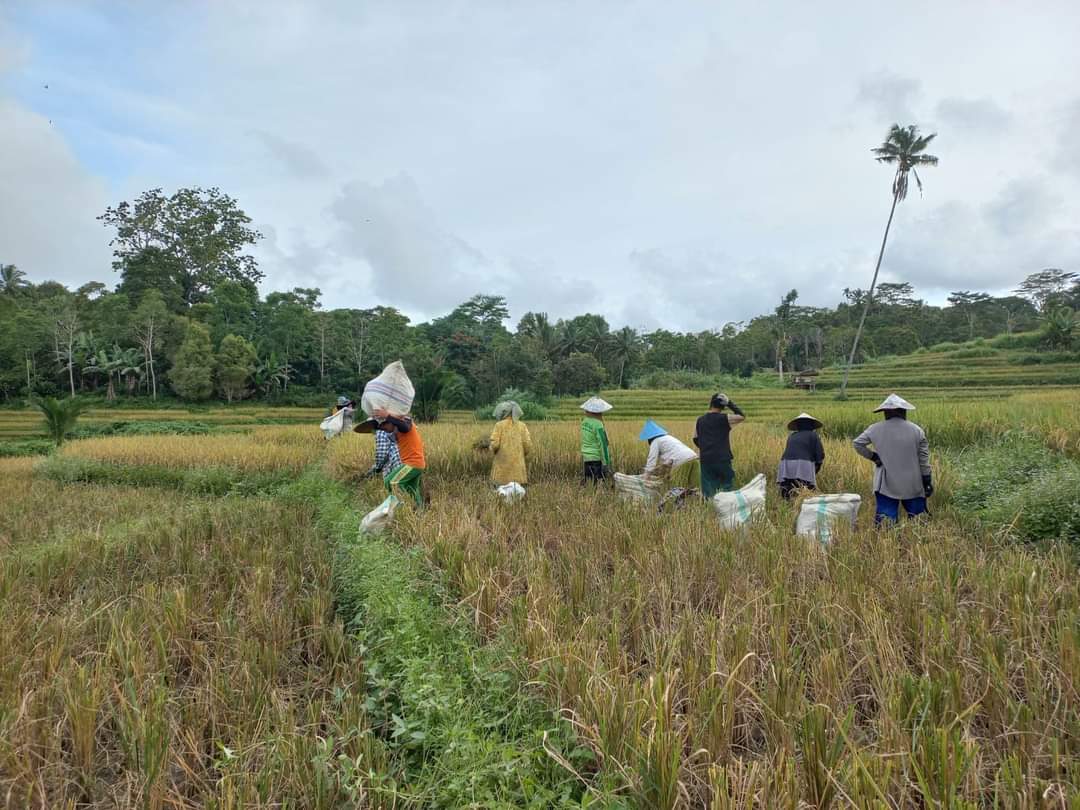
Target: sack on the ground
(333,425)
(511,492)
(735,509)
(391,391)
(638,487)
(819,515)
(379,519)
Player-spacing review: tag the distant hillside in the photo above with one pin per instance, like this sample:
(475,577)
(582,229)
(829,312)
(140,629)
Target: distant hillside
(1007,360)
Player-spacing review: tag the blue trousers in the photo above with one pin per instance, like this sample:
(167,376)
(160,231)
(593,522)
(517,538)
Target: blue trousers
(889,508)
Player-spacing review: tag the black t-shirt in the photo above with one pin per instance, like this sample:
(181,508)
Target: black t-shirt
(804,445)
(714,437)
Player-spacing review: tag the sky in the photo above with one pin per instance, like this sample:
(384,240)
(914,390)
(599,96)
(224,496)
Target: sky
(678,164)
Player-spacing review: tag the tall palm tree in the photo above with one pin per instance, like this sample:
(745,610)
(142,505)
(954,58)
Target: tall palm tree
(905,148)
(624,347)
(12,279)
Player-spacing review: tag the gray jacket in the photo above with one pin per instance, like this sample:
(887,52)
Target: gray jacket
(904,453)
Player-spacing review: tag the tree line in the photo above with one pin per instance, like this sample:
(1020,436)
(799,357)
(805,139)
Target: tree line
(186,320)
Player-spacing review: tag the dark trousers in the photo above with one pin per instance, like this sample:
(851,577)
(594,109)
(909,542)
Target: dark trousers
(790,486)
(594,472)
(717,476)
(889,508)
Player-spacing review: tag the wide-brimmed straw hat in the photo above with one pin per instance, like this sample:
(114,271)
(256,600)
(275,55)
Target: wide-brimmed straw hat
(367,426)
(794,423)
(894,403)
(595,405)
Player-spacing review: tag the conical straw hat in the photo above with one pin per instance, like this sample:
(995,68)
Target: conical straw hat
(794,423)
(595,405)
(894,403)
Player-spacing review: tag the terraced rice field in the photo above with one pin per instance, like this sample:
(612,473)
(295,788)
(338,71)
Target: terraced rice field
(165,649)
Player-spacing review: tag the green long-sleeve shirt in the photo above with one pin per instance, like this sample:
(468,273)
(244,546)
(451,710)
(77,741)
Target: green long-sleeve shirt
(594,441)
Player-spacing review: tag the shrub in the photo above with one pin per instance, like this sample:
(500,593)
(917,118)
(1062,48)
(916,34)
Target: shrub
(977,351)
(1017,487)
(25,447)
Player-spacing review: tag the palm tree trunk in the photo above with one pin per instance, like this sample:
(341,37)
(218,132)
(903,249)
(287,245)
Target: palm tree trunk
(869,299)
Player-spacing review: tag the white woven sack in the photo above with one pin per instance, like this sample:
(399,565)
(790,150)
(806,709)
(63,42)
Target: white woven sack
(637,488)
(391,391)
(378,520)
(735,509)
(332,425)
(819,515)
(511,492)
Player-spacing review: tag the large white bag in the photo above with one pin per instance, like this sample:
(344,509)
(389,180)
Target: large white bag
(638,487)
(391,391)
(511,492)
(735,509)
(819,515)
(332,425)
(379,519)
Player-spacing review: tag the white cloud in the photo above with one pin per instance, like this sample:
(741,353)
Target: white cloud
(677,165)
(48,204)
(982,115)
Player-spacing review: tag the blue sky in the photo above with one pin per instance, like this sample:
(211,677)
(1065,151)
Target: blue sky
(679,164)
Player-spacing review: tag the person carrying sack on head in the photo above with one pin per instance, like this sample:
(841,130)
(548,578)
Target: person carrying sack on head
(901,456)
(669,459)
(712,435)
(595,450)
(803,456)
(407,477)
(511,445)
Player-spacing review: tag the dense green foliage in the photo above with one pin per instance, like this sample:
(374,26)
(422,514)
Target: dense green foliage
(1018,488)
(186,319)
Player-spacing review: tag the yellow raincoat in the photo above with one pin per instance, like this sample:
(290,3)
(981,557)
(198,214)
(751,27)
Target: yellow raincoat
(511,444)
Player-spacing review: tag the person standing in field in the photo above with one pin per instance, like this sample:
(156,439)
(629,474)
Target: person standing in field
(511,445)
(669,459)
(407,476)
(803,456)
(901,456)
(712,435)
(349,407)
(595,450)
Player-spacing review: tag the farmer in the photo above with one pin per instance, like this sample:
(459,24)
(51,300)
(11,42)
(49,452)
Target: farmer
(595,450)
(387,457)
(347,405)
(406,477)
(511,445)
(712,435)
(669,458)
(901,456)
(803,456)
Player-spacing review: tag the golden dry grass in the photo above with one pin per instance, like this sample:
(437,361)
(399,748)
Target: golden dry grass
(273,448)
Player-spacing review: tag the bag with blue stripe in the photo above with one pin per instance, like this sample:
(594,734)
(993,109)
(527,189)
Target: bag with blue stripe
(736,509)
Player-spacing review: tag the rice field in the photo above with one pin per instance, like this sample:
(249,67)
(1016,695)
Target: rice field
(162,651)
(931,665)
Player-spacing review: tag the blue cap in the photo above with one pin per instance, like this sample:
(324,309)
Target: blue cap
(342,401)
(651,430)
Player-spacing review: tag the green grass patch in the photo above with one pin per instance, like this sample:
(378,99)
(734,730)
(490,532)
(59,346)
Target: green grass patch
(1020,489)
(26,447)
(454,708)
(198,481)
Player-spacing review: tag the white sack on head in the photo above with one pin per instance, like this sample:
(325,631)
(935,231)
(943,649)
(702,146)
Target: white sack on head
(511,492)
(735,509)
(638,487)
(821,514)
(391,391)
(378,520)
